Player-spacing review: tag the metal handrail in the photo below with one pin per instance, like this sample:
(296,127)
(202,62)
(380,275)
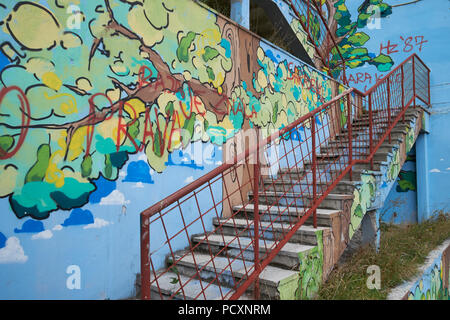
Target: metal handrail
(254,149)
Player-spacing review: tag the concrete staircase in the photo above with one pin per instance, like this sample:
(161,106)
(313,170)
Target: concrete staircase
(283,273)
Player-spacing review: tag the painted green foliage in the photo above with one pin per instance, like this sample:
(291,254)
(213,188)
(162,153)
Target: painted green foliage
(37,171)
(183,47)
(409,138)
(6,143)
(407,181)
(350,38)
(305,284)
(353,40)
(362,200)
(394,166)
(311,267)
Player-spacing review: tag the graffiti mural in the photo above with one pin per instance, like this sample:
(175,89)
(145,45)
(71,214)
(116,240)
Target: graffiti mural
(362,201)
(400,205)
(95,94)
(307,281)
(434,282)
(351,37)
(115,78)
(310,275)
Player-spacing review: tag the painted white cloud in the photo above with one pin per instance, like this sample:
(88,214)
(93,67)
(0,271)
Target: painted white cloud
(46,234)
(189,179)
(114,198)
(435,170)
(12,252)
(143,157)
(122,174)
(58,227)
(448,169)
(98,223)
(138,185)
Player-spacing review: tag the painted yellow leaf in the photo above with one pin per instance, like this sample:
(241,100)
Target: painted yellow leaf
(51,80)
(134,108)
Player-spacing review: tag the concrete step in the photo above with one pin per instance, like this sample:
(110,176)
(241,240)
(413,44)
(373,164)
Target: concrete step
(304,186)
(382,156)
(306,234)
(410,112)
(360,138)
(362,126)
(337,163)
(168,283)
(329,174)
(331,201)
(377,165)
(241,247)
(361,142)
(232,271)
(286,214)
(325,156)
(365,119)
(356,149)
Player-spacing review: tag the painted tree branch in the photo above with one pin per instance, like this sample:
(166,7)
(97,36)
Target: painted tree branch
(149,92)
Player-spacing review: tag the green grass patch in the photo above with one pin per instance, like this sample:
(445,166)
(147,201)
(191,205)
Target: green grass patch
(403,249)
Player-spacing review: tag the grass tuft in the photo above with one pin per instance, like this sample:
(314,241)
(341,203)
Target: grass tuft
(403,249)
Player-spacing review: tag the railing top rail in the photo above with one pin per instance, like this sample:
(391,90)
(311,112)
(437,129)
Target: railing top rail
(166,202)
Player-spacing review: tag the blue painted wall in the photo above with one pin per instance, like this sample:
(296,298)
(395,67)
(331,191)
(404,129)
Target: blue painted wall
(400,205)
(422,28)
(102,238)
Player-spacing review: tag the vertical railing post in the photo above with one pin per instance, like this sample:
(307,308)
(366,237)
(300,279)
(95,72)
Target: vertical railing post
(344,73)
(403,91)
(389,106)
(370,130)
(314,166)
(350,138)
(429,88)
(145,258)
(414,76)
(256,177)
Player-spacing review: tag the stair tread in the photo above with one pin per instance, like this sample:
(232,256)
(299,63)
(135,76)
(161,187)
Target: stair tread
(290,249)
(271,275)
(304,170)
(308,182)
(274,225)
(342,145)
(337,196)
(169,282)
(273,209)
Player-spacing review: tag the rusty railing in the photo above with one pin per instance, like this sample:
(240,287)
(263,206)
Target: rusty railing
(214,237)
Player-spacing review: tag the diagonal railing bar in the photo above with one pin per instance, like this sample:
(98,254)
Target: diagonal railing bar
(213,238)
